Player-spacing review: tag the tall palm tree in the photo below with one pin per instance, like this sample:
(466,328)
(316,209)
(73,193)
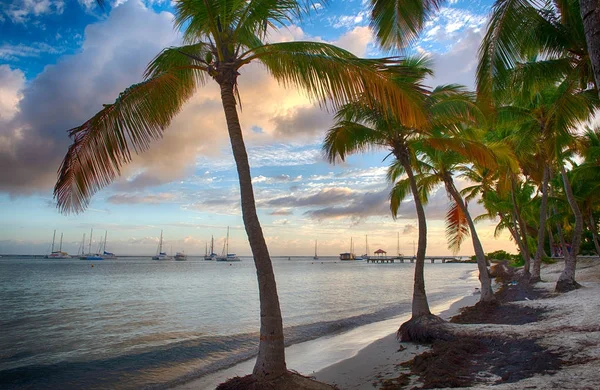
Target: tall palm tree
(438,167)
(359,128)
(220,38)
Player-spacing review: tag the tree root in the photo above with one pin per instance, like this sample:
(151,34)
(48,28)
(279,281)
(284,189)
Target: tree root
(423,329)
(288,381)
(563,286)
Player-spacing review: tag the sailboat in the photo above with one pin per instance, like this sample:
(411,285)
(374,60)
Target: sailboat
(400,255)
(212,255)
(315,256)
(105,254)
(59,254)
(90,255)
(348,255)
(226,256)
(160,255)
(180,256)
(366,255)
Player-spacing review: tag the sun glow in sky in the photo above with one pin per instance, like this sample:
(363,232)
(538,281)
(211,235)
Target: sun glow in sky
(60,60)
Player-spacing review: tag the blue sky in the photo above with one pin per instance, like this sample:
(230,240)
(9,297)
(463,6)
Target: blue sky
(61,59)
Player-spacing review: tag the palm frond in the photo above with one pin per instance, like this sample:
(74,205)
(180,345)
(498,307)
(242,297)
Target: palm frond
(349,137)
(457,228)
(397,22)
(399,192)
(334,77)
(102,144)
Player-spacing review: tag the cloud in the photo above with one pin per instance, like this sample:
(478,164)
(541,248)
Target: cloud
(323,197)
(10,52)
(137,199)
(357,207)
(409,229)
(113,56)
(356,40)
(308,120)
(459,64)
(281,212)
(283,178)
(19,11)
(12,82)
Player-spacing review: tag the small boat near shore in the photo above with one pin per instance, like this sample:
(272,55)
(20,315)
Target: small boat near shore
(316,257)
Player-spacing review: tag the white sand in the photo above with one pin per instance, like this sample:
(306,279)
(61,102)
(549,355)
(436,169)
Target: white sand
(570,328)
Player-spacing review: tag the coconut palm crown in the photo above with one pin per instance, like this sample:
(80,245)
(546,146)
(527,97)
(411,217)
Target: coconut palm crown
(220,38)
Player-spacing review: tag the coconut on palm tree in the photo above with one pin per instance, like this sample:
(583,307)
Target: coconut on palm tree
(220,38)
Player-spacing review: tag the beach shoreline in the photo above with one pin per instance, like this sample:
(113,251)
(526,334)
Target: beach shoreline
(322,355)
(570,323)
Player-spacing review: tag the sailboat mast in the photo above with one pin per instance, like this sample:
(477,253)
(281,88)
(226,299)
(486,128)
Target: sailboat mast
(53,238)
(90,246)
(60,246)
(366,245)
(227,242)
(212,244)
(315,248)
(160,242)
(105,233)
(83,245)
(398,244)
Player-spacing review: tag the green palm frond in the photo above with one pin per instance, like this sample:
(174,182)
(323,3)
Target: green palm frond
(457,227)
(349,137)
(102,144)
(398,22)
(334,76)
(510,37)
(192,59)
(399,192)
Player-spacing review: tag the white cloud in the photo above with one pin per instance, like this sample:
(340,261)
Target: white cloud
(11,85)
(20,11)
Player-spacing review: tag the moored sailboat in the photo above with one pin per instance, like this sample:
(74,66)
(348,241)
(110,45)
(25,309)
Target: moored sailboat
(366,255)
(180,256)
(348,255)
(160,255)
(212,255)
(59,254)
(316,257)
(226,256)
(107,255)
(90,255)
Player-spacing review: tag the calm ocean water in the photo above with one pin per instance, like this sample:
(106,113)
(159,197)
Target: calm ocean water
(136,323)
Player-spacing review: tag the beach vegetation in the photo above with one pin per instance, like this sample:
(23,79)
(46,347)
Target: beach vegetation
(220,38)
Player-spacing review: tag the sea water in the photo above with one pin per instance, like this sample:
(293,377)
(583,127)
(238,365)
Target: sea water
(136,323)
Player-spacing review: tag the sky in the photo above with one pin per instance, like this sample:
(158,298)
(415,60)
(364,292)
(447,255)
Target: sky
(60,60)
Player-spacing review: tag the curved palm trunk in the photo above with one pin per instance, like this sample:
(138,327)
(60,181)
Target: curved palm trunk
(420,306)
(420,327)
(566,280)
(270,362)
(487,295)
(524,246)
(537,261)
(590,14)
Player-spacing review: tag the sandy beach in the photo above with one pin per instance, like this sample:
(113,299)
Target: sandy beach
(569,329)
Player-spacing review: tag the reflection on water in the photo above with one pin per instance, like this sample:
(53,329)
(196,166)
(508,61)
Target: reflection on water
(135,322)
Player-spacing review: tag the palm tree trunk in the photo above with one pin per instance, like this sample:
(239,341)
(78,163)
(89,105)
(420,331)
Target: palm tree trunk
(551,241)
(537,261)
(594,229)
(566,280)
(420,305)
(590,14)
(422,325)
(270,362)
(523,230)
(487,295)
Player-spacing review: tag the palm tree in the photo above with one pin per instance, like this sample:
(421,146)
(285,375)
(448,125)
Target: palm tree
(438,167)
(590,15)
(359,128)
(220,38)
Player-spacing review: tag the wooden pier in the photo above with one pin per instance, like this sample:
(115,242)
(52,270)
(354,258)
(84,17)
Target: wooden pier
(401,259)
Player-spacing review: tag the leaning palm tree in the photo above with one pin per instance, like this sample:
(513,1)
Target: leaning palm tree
(360,127)
(220,38)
